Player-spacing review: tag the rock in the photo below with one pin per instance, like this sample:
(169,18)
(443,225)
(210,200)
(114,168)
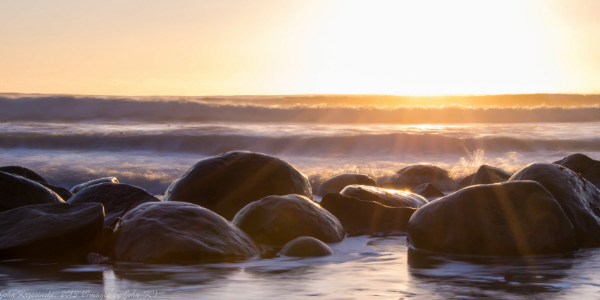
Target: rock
(228,182)
(276,220)
(582,164)
(400,185)
(175,231)
(424,173)
(64,193)
(116,198)
(465,182)
(23,172)
(513,218)
(366,217)
(579,198)
(392,198)
(58,231)
(488,175)
(306,246)
(337,183)
(82,186)
(428,191)
(17,191)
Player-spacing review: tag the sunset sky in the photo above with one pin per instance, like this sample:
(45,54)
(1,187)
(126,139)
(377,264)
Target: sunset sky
(241,47)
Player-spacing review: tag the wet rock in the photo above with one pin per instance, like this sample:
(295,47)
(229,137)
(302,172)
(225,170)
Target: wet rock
(116,198)
(337,183)
(465,182)
(387,197)
(400,185)
(228,182)
(428,191)
(582,164)
(64,193)
(488,175)
(366,217)
(306,246)
(23,172)
(51,231)
(177,231)
(513,218)
(424,173)
(17,191)
(276,220)
(579,198)
(82,186)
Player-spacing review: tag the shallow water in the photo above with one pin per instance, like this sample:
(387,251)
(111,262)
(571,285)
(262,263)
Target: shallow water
(361,268)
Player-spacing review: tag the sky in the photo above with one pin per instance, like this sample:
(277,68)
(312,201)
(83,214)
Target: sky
(274,47)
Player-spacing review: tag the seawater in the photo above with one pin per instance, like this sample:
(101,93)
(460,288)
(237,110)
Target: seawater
(152,142)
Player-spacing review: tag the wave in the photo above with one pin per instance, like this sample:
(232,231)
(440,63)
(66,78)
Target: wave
(80,109)
(349,145)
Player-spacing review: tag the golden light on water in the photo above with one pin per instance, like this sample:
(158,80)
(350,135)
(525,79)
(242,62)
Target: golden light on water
(300,47)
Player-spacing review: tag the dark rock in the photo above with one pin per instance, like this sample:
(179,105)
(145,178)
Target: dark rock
(82,186)
(579,198)
(337,183)
(51,231)
(306,246)
(489,175)
(17,191)
(424,173)
(400,185)
(428,190)
(23,172)
(582,164)
(228,182)
(116,198)
(513,218)
(176,231)
(387,197)
(366,217)
(276,220)
(64,193)
(465,182)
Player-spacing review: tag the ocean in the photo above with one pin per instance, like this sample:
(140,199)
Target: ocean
(151,141)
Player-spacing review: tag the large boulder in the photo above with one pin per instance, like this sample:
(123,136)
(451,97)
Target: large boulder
(51,231)
(582,164)
(513,218)
(64,193)
(465,182)
(387,197)
(17,191)
(366,217)
(424,173)
(579,198)
(306,246)
(337,183)
(228,182)
(488,175)
(276,220)
(82,186)
(116,198)
(23,172)
(400,185)
(175,231)
(428,191)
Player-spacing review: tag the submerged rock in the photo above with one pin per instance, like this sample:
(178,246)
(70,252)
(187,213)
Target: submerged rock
(387,197)
(276,220)
(177,231)
(82,186)
(23,172)
(306,246)
(228,182)
(17,191)
(51,231)
(465,182)
(116,198)
(366,217)
(579,199)
(488,175)
(513,218)
(337,183)
(424,173)
(582,164)
(428,191)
